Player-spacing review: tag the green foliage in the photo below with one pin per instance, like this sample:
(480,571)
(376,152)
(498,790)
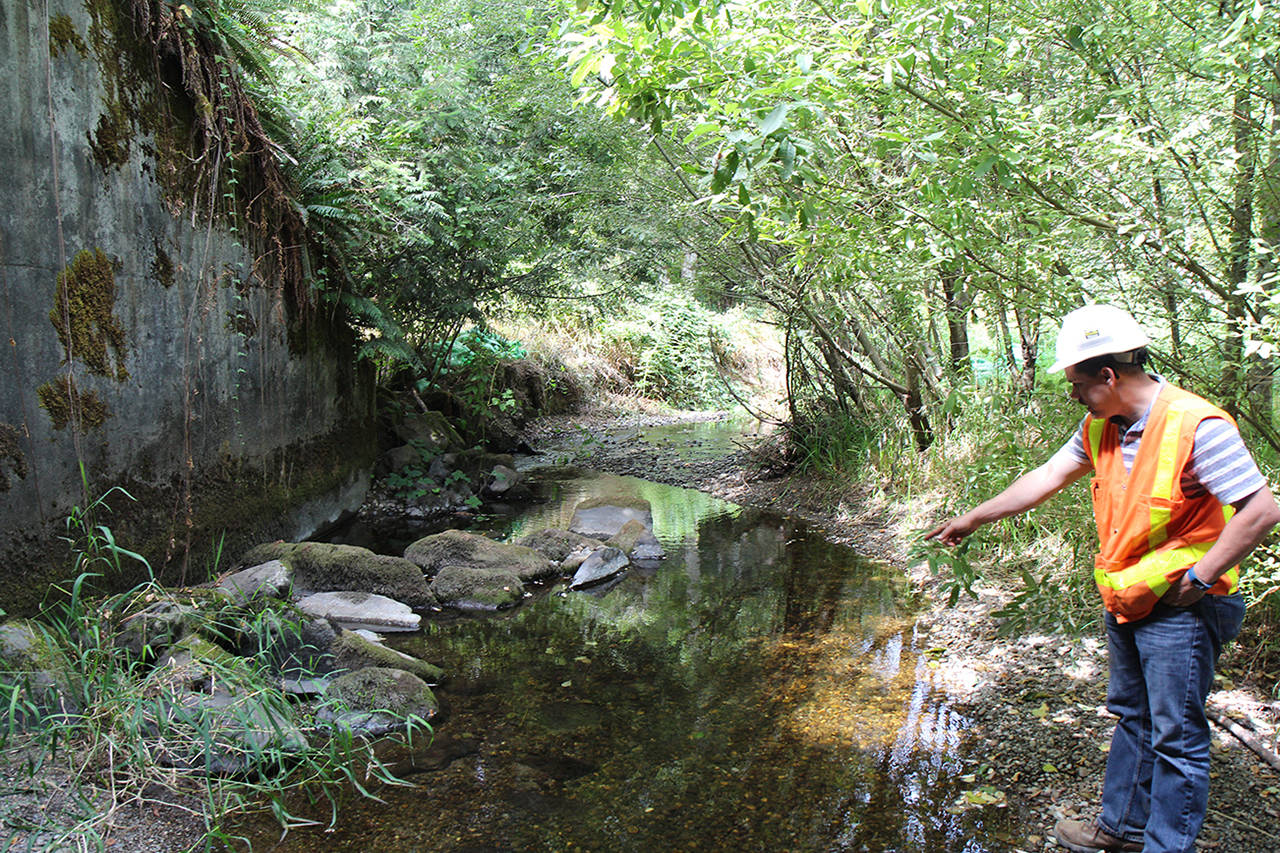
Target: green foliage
(950,566)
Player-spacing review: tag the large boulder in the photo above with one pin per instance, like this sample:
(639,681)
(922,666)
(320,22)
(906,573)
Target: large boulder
(603,518)
(428,432)
(146,633)
(638,542)
(271,579)
(351,652)
(30,660)
(556,545)
(326,567)
(470,588)
(361,610)
(226,732)
(459,548)
(376,701)
(600,566)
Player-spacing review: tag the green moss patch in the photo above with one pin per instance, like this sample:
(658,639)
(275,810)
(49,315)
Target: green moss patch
(162,267)
(83,315)
(68,405)
(63,37)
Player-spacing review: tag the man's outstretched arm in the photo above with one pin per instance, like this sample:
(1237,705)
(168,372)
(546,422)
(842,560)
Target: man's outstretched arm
(1029,490)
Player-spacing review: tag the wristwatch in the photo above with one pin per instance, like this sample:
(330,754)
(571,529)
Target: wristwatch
(1196,582)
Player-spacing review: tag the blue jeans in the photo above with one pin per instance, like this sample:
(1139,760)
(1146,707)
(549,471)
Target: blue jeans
(1157,783)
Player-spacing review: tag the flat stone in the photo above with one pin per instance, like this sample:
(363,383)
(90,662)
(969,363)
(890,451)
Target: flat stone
(354,610)
(600,566)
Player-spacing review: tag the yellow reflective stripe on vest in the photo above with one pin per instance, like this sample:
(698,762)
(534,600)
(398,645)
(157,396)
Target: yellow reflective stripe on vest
(1154,568)
(1162,486)
(1095,438)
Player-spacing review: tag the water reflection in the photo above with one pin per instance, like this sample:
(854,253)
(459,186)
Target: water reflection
(759,690)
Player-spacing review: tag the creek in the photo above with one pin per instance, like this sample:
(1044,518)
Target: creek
(761,689)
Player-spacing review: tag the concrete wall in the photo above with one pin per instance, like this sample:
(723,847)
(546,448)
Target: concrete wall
(194,386)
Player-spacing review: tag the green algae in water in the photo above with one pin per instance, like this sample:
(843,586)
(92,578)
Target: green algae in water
(757,691)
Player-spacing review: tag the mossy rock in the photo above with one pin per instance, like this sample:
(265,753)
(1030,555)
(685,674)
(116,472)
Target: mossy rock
(377,700)
(469,588)
(351,652)
(556,545)
(637,542)
(459,548)
(430,431)
(32,662)
(326,567)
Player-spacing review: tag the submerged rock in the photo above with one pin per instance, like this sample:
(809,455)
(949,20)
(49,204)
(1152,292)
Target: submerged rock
(459,548)
(353,651)
(470,588)
(361,610)
(326,567)
(602,518)
(638,542)
(600,566)
(376,701)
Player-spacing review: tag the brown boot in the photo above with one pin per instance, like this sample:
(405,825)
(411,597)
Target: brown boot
(1087,837)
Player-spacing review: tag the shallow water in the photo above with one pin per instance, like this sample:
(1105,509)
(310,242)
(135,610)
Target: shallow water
(758,690)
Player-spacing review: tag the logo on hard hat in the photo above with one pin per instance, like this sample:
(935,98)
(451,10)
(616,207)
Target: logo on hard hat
(1092,333)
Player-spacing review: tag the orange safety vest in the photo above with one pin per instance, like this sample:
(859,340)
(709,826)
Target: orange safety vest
(1149,533)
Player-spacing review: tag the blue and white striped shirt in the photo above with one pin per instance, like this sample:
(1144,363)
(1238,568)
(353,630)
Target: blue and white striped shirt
(1220,464)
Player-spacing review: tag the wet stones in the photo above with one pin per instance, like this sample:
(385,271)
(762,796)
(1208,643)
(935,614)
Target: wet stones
(361,610)
(376,701)
(600,566)
(459,548)
(472,588)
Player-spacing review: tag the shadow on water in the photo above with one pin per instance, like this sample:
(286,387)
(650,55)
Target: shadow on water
(758,690)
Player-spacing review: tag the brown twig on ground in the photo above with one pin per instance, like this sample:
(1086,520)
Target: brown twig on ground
(1244,736)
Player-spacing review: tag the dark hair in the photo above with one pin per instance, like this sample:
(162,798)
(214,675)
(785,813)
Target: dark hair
(1132,361)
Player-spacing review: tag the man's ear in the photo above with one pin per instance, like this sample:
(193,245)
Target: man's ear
(1104,374)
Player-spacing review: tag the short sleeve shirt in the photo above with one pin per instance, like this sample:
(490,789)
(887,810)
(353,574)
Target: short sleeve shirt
(1220,464)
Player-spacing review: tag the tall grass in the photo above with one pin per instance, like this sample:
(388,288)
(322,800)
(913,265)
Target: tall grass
(125,732)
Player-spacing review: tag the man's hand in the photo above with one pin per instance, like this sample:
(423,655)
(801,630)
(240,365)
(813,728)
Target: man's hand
(1182,593)
(954,531)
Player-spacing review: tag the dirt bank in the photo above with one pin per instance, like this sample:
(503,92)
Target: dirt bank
(1039,729)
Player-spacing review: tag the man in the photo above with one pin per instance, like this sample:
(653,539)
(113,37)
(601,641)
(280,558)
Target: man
(1179,503)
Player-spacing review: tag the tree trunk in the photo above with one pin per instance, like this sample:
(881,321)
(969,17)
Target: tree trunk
(957,308)
(1241,251)
(1029,338)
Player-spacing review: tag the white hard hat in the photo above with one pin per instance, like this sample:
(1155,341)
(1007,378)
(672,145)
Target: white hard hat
(1096,330)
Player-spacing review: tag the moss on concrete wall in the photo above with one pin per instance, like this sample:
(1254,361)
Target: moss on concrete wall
(83,315)
(63,38)
(67,405)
